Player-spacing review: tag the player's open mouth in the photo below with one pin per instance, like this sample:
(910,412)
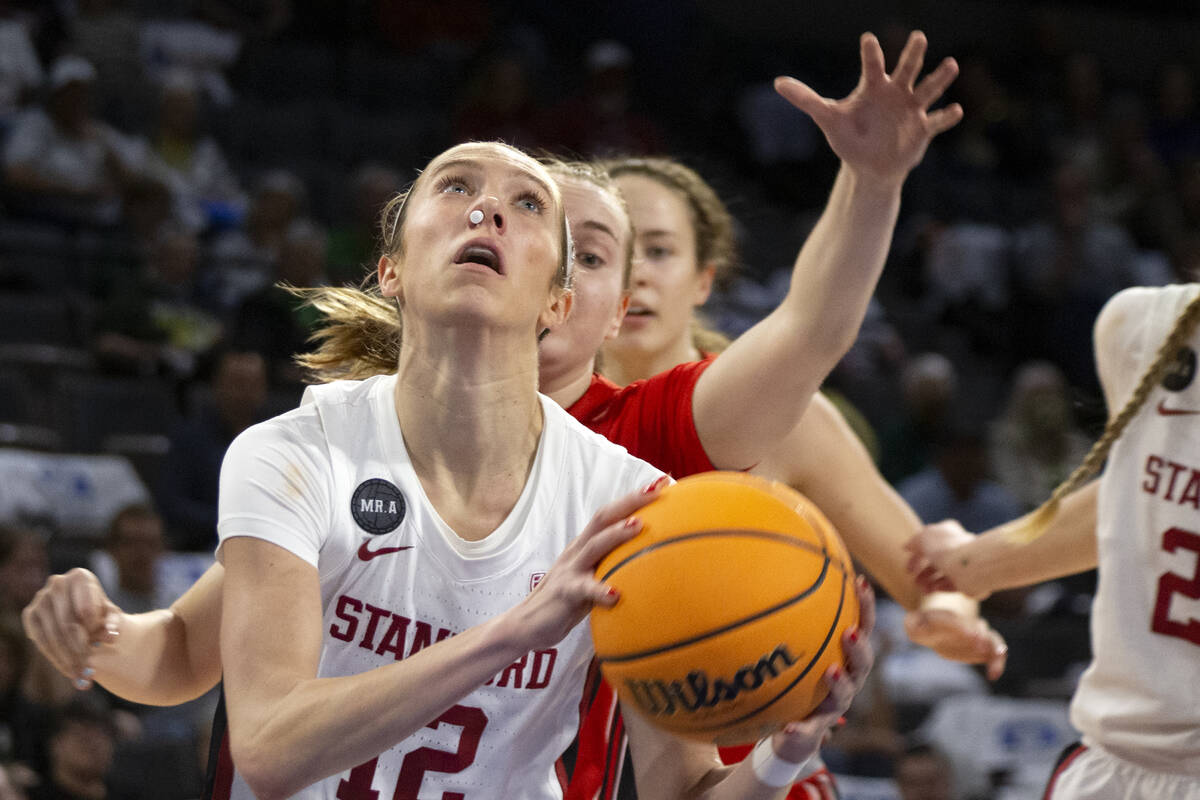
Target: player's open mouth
(639,311)
(481,252)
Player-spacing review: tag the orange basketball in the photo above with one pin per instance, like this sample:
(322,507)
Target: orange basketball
(733,600)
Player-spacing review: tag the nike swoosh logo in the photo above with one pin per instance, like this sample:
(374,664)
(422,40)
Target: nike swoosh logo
(1174,412)
(366,554)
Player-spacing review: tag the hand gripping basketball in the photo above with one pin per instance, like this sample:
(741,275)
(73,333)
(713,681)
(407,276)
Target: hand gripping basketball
(734,601)
(570,589)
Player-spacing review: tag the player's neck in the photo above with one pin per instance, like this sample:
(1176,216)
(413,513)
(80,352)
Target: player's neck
(566,388)
(623,366)
(471,420)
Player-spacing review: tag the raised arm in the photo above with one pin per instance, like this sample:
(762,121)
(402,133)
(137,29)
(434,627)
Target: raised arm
(755,391)
(823,459)
(162,657)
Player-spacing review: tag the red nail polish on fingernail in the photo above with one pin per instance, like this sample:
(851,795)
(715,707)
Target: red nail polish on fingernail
(854,636)
(631,522)
(841,721)
(658,482)
(612,592)
(837,673)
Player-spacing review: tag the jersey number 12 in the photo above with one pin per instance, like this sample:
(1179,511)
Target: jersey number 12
(357,786)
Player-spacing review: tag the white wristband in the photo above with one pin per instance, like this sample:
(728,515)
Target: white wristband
(772,770)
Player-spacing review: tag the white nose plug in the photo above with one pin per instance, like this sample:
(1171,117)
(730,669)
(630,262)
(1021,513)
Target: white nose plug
(475,216)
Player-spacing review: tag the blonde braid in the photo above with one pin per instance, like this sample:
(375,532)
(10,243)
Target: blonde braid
(1034,524)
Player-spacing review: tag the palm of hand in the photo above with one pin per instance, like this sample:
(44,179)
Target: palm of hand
(884,126)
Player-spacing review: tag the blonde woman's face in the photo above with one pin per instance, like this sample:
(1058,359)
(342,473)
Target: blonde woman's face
(668,281)
(500,269)
(601,232)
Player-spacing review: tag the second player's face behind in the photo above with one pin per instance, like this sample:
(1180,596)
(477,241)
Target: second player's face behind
(668,283)
(501,271)
(601,231)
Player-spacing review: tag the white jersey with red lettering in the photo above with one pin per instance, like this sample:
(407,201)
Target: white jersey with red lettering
(331,482)
(1140,697)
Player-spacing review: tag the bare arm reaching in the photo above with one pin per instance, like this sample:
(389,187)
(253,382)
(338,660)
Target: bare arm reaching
(755,391)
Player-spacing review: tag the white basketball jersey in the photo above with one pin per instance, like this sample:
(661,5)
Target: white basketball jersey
(332,483)
(1140,698)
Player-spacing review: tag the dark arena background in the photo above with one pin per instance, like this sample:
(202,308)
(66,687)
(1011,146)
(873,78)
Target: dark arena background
(221,146)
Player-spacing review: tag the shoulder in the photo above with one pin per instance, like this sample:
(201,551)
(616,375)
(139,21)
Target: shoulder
(1132,325)
(298,430)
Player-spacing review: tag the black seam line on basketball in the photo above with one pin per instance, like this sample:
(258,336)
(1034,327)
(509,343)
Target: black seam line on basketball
(724,628)
(779,537)
(797,679)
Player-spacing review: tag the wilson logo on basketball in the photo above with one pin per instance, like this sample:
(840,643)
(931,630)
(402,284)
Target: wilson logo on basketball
(696,692)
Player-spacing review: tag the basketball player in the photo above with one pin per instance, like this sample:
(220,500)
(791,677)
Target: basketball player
(684,239)
(1137,704)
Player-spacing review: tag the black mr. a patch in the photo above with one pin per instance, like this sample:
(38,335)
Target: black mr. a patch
(1182,371)
(378,506)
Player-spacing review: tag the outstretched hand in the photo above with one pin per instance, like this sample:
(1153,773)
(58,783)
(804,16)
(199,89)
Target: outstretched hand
(883,127)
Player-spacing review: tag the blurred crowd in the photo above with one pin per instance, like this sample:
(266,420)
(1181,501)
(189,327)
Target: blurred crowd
(166,167)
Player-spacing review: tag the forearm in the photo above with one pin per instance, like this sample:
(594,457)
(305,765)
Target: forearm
(300,732)
(838,267)
(168,656)
(824,460)
(774,367)
(148,662)
(996,560)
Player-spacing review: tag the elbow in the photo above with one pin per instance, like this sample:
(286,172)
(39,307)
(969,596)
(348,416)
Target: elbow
(265,770)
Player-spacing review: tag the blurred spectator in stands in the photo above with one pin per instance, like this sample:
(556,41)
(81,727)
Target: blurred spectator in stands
(928,387)
(253,19)
(1068,262)
(206,193)
(992,149)
(11,787)
(82,744)
(23,727)
(1035,443)
(273,321)
(246,256)
(193,47)
(24,567)
(187,489)
(61,162)
(1072,118)
(1133,185)
(925,773)
(600,118)
(352,241)
(20,70)
(157,319)
(1175,123)
(499,102)
(869,372)
(458,25)
(106,33)
(957,485)
(135,544)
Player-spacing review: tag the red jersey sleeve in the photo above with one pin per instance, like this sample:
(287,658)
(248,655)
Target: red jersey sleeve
(652,418)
